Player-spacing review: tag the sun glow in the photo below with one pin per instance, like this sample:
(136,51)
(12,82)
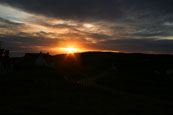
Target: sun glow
(70,47)
(71,50)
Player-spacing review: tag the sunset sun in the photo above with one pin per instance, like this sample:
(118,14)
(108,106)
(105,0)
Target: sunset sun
(71,50)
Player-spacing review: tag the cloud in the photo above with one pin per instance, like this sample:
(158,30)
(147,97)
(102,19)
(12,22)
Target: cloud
(9,27)
(138,45)
(96,9)
(69,9)
(134,14)
(124,25)
(7,22)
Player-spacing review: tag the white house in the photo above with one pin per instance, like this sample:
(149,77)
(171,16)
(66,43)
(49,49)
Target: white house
(41,61)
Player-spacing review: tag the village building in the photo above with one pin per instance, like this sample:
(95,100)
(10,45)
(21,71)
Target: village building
(39,59)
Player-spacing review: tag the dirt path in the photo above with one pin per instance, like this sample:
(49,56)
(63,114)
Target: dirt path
(91,82)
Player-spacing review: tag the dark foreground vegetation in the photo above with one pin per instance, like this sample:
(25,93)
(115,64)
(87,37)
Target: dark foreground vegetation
(88,83)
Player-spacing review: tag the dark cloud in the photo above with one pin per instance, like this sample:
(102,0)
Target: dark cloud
(69,9)
(100,36)
(8,24)
(144,45)
(28,40)
(2,20)
(96,9)
(8,27)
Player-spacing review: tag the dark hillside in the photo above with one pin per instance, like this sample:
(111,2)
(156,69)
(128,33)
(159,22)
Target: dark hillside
(96,82)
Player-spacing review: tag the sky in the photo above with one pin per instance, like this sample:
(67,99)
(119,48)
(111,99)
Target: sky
(132,26)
